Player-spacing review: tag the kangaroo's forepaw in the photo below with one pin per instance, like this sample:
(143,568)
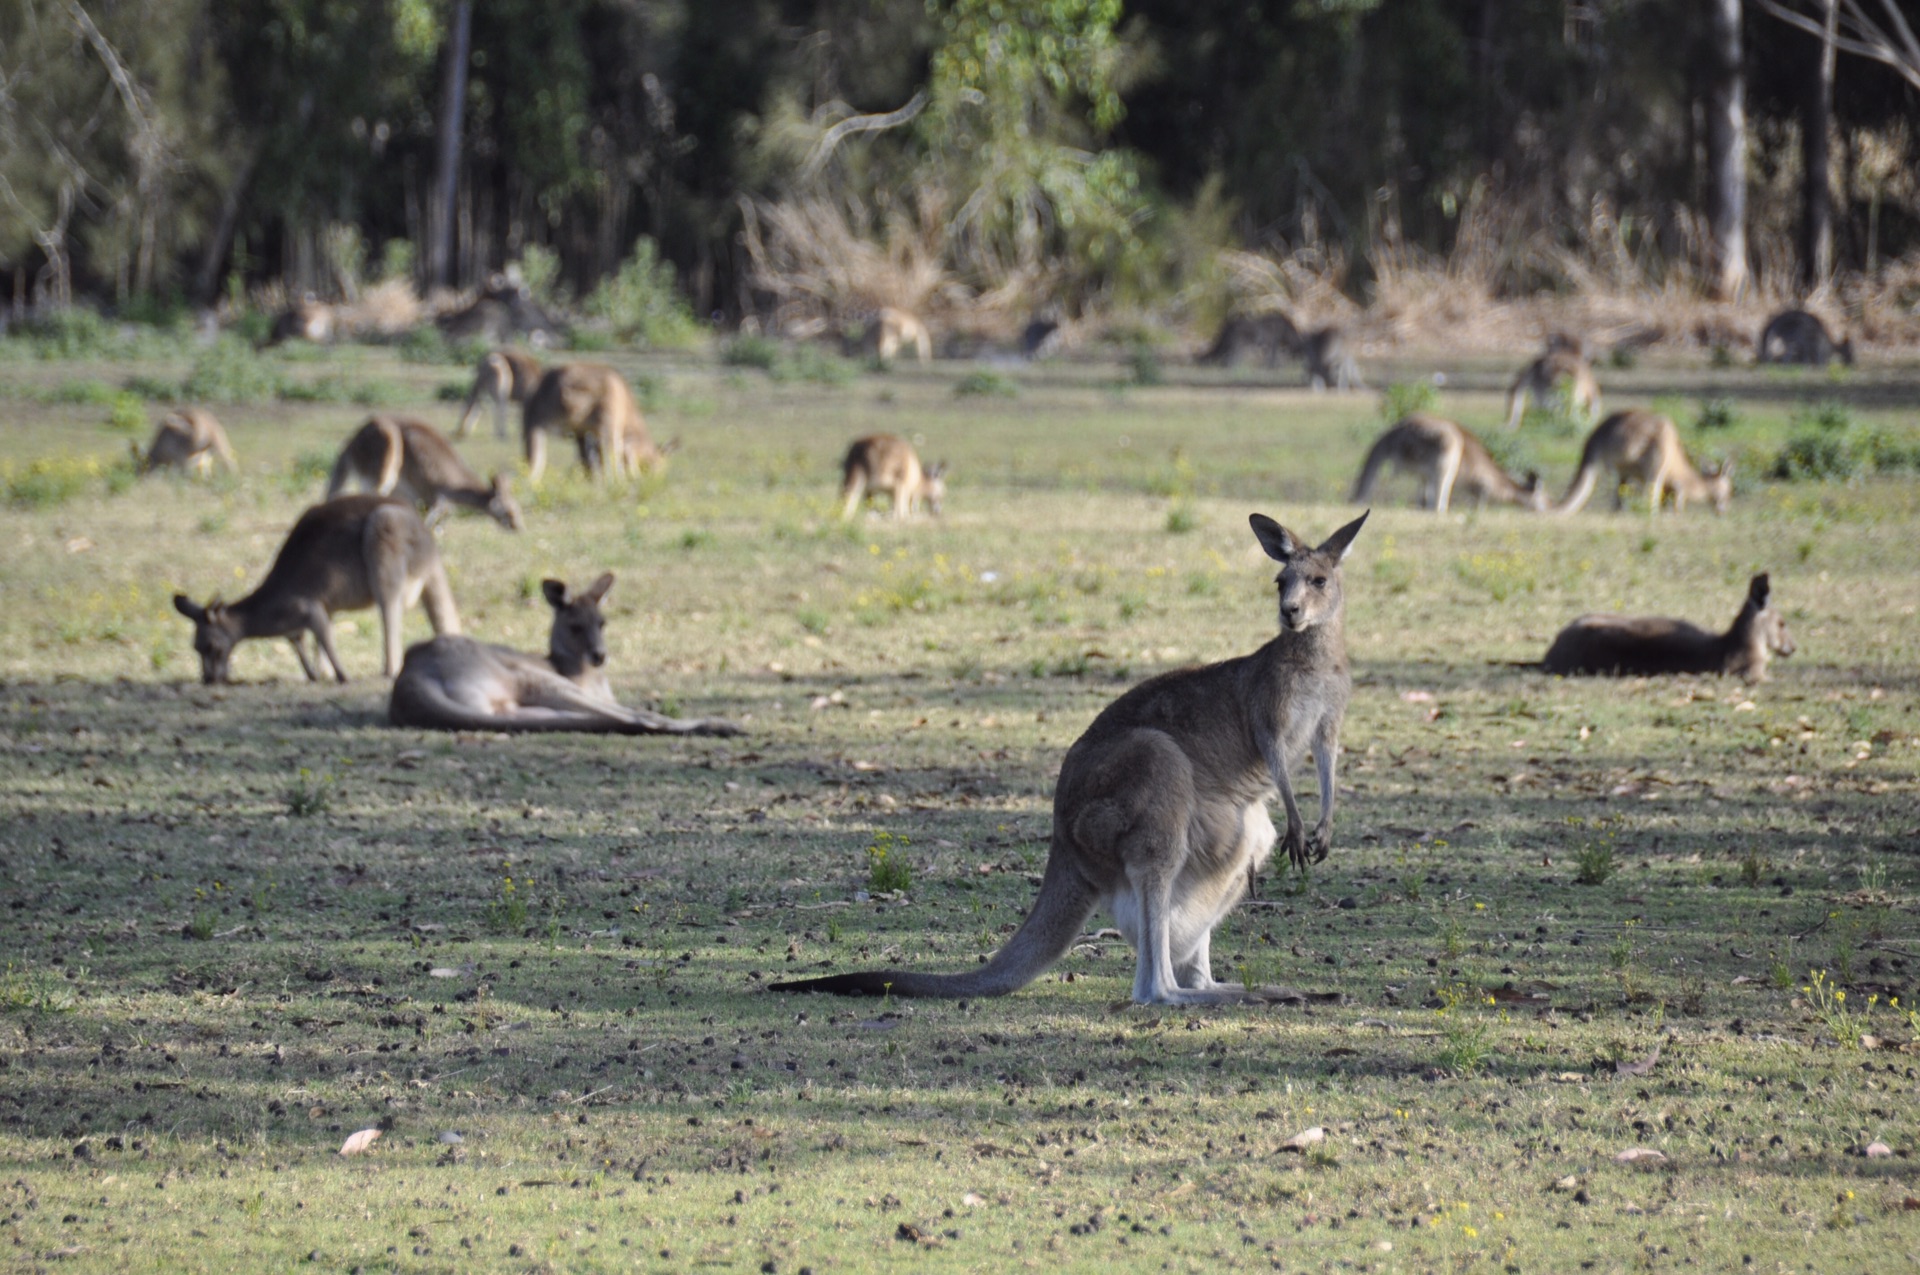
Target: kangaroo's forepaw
(1295,845)
(1320,843)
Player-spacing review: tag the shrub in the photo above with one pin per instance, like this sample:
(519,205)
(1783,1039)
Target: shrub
(228,371)
(87,393)
(1831,444)
(1144,365)
(751,351)
(642,301)
(53,480)
(128,413)
(1403,398)
(72,334)
(152,388)
(810,363)
(540,271)
(887,867)
(1717,413)
(987,383)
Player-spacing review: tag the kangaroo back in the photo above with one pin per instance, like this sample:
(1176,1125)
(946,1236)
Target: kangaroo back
(374,455)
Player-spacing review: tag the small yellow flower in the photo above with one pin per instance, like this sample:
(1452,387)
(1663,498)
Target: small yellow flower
(1470,1233)
(1840,996)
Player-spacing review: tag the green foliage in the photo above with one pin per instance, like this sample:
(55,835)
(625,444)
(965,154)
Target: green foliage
(1716,414)
(1403,398)
(753,351)
(540,271)
(887,868)
(27,991)
(128,414)
(811,363)
(984,382)
(1831,445)
(1828,1001)
(642,301)
(1181,519)
(1466,1037)
(51,481)
(309,794)
(1593,863)
(507,913)
(229,371)
(91,393)
(1143,367)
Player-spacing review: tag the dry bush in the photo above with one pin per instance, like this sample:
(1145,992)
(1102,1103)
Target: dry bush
(384,309)
(829,263)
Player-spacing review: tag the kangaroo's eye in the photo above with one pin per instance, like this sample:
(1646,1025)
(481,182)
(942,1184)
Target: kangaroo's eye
(1319,582)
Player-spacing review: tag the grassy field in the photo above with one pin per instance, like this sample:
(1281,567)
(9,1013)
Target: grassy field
(244,923)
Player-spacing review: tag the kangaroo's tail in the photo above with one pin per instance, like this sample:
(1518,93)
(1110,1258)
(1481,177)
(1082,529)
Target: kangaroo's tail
(1062,908)
(1583,482)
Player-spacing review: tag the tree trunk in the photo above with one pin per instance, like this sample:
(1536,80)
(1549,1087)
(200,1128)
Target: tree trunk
(453,101)
(1816,190)
(1727,152)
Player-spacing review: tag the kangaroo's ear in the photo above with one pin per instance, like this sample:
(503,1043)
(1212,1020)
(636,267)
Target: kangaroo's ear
(938,469)
(598,589)
(1759,591)
(555,592)
(188,607)
(1340,541)
(1279,543)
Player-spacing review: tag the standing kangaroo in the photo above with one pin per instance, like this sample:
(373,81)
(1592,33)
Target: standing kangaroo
(456,683)
(1160,813)
(891,329)
(344,555)
(888,464)
(1630,644)
(1563,370)
(503,377)
(1447,457)
(189,438)
(406,455)
(1795,336)
(591,403)
(1645,447)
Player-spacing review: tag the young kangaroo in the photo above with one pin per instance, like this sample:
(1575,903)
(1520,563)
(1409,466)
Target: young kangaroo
(887,463)
(1629,644)
(189,438)
(1645,446)
(345,555)
(1795,336)
(587,401)
(406,455)
(456,683)
(1328,363)
(1160,812)
(1447,457)
(503,377)
(1563,369)
(890,330)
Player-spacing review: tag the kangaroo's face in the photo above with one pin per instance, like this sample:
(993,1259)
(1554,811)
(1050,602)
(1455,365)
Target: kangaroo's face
(502,507)
(1720,487)
(1767,627)
(215,634)
(1309,579)
(933,487)
(579,638)
(1533,492)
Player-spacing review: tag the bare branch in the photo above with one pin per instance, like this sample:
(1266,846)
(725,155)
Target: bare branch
(824,148)
(1862,36)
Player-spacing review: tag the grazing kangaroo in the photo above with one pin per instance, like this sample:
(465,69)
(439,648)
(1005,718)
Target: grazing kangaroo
(1160,812)
(889,330)
(189,438)
(1563,369)
(887,463)
(1629,644)
(1447,457)
(1328,363)
(406,455)
(503,377)
(308,319)
(1645,446)
(1795,336)
(456,683)
(345,555)
(1266,335)
(591,403)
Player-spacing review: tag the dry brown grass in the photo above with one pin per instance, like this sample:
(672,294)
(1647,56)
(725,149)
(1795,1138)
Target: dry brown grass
(830,262)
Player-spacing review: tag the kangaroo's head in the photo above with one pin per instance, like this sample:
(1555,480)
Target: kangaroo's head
(501,506)
(933,486)
(1533,492)
(1763,627)
(1719,483)
(216,631)
(1309,579)
(579,639)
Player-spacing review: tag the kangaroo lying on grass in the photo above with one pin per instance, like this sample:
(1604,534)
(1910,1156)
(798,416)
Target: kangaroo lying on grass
(345,555)
(887,463)
(892,329)
(403,454)
(1160,813)
(1628,644)
(1795,336)
(189,438)
(456,683)
(1645,447)
(1447,457)
(503,377)
(1563,369)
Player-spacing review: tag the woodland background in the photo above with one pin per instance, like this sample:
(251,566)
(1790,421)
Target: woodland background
(1414,164)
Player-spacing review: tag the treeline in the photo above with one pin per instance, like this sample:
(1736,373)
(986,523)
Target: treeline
(821,155)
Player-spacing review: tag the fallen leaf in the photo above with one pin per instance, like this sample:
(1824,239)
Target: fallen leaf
(1878,1150)
(971,1200)
(359,1142)
(451,1138)
(1568,1183)
(1872,1042)
(1640,1155)
(1642,1068)
(1304,1139)
(1417,697)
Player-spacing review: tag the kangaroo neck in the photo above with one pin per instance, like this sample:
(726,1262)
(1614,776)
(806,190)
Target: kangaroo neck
(1321,645)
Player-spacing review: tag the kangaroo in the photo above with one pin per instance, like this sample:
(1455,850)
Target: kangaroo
(1629,644)
(1267,336)
(406,455)
(503,377)
(1447,457)
(1645,446)
(1795,336)
(1160,813)
(308,319)
(586,401)
(345,555)
(189,438)
(889,330)
(456,683)
(887,463)
(1328,363)
(1563,369)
